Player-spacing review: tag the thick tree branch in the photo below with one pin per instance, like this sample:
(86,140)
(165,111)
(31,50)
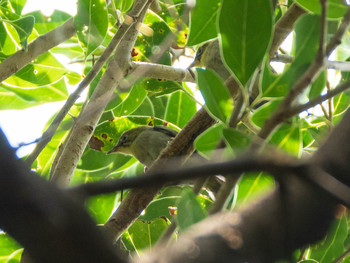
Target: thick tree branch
(276,225)
(158,71)
(284,27)
(50,225)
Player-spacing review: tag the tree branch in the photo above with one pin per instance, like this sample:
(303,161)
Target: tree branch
(39,46)
(49,133)
(50,225)
(138,199)
(88,119)
(278,116)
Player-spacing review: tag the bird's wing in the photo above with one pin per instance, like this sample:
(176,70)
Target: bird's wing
(168,131)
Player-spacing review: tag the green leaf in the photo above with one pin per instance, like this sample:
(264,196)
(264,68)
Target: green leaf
(158,87)
(55,92)
(91,24)
(217,97)
(44,24)
(18,5)
(101,207)
(318,86)
(307,32)
(142,235)
(264,112)
(189,211)
(47,155)
(147,46)
(236,140)
(153,106)
(44,70)
(10,250)
(333,245)
(160,208)
(8,40)
(244,44)
(335,8)
(288,138)
(134,99)
(250,186)
(24,27)
(123,5)
(180,109)
(207,141)
(203,21)
(341,103)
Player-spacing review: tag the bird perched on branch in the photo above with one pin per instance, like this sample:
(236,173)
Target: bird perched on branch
(209,56)
(145,143)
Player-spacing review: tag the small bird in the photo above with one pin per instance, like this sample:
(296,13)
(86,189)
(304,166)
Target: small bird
(144,143)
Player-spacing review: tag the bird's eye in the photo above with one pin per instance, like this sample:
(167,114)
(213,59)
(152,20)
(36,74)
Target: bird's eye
(123,138)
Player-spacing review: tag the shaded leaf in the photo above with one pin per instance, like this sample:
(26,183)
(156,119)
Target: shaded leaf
(189,211)
(203,21)
(91,24)
(245,43)
(217,97)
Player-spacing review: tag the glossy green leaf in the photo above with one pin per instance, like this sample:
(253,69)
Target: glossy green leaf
(44,161)
(13,98)
(307,31)
(91,24)
(238,141)
(18,5)
(158,87)
(333,245)
(288,138)
(180,109)
(206,142)
(8,40)
(148,46)
(160,208)
(244,44)
(143,234)
(24,27)
(101,207)
(189,211)
(153,106)
(264,112)
(44,24)
(335,8)
(318,86)
(123,5)
(217,97)
(203,21)
(251,186)
(10,250)
(44,70)
(341,103)
(134,99)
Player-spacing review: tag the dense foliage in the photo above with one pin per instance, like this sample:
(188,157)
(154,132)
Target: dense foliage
(245,29)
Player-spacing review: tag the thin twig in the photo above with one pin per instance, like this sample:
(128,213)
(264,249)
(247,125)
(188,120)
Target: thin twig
(318,100)
(281,113)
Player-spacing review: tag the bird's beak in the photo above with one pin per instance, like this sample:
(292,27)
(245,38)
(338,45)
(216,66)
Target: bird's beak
(115,149)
